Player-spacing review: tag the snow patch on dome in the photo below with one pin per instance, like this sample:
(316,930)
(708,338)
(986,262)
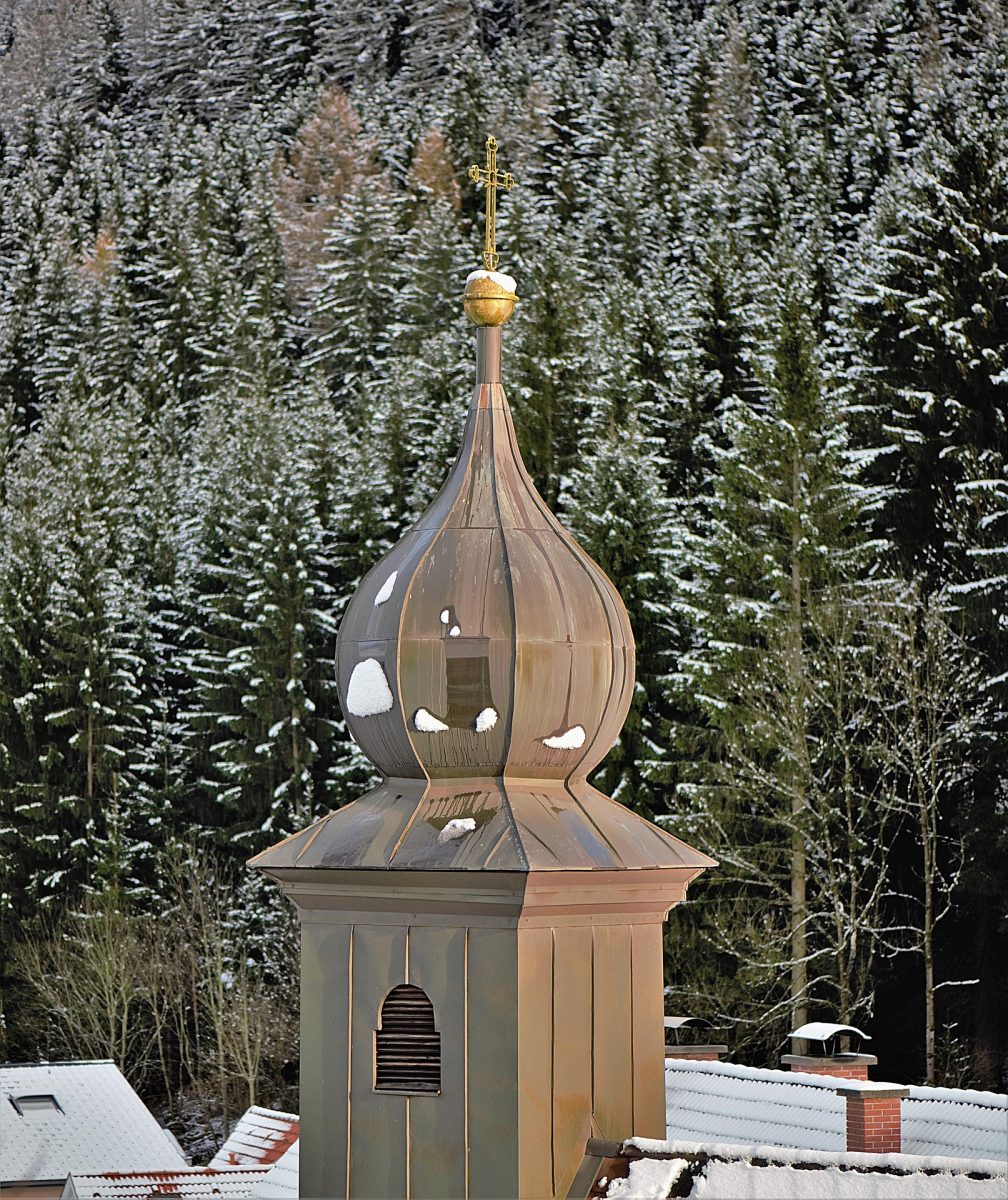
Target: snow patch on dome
(486,720)
(456,829)
(573,739)
(498,277)
(427,723)
(386,589)
(368,692)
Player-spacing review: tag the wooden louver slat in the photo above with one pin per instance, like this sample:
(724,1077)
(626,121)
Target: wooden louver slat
(407,1044)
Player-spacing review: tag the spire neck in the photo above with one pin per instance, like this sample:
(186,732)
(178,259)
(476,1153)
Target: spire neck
(488,354)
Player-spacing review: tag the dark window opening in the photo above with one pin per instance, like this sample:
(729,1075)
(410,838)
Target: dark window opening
(467,666)
(34,1104)
(407,1045)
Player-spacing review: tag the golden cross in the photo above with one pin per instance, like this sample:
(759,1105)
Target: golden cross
(491,179)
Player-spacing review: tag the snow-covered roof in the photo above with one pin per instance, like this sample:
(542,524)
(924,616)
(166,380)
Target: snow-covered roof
(79,1117)
(821,1031)
(191,1184)
(773,1173)
(715,1102)
(749,1181)
(955,1122)
(260,1138)
(281,1181)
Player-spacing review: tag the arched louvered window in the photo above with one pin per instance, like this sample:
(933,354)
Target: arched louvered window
(407,1046)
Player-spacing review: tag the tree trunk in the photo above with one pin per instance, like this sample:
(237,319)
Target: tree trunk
(799,798)
(90,759)
(928,946)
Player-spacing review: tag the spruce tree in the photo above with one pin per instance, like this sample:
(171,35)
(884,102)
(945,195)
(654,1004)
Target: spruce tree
(617,510)
(771,551)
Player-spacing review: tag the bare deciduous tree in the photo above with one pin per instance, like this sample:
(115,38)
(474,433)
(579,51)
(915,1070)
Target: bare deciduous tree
(936,712)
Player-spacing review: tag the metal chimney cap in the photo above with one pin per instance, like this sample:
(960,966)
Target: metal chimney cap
(822,1031)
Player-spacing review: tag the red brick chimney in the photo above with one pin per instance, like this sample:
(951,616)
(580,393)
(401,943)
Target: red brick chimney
(843,1066)
(873,1117)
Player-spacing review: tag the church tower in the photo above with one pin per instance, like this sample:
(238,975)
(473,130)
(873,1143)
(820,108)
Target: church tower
(482,986)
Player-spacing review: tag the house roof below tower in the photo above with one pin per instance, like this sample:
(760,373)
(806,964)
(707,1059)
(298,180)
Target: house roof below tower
(649,1170)
(76,1117)
(715,1102)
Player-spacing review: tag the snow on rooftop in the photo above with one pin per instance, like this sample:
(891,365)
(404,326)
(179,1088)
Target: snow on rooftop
(716,1102)
(368,692)
(260,1137)
(774,1173)
(649,1179)
(97,1123)
(957,1123)
(745,1181)
(281,1181)
(194,1183)
(725,1102)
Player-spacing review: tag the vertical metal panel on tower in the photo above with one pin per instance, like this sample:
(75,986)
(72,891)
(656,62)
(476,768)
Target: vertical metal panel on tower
(378,1142)
(493,1076)
(325,1048)
(438,1134)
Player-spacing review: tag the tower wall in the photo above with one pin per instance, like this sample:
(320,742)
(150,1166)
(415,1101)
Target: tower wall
(591,1038)
(547,995)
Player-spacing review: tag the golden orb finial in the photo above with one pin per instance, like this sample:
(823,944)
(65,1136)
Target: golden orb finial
(489,296)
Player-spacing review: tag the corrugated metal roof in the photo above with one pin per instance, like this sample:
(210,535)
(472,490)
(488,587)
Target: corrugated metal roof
(714,1102)
(195,1182)
(281,1181)
(101,1124)
(260,1138)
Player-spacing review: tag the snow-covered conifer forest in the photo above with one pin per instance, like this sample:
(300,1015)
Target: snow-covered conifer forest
(759,368)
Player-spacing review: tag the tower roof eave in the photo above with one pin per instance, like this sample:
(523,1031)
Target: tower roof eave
(503,825)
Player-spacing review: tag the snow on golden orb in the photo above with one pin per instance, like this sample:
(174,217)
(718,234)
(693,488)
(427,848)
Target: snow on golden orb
(489,297)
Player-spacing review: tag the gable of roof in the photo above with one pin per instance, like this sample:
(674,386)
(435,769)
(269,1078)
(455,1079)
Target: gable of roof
(281,1181)
(260,1138)
(194,1183)
(98,1123)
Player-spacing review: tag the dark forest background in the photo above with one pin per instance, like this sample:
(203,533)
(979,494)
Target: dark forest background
(759,368)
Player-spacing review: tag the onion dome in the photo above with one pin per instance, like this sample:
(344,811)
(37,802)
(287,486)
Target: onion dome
(487,642)
(485,665)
